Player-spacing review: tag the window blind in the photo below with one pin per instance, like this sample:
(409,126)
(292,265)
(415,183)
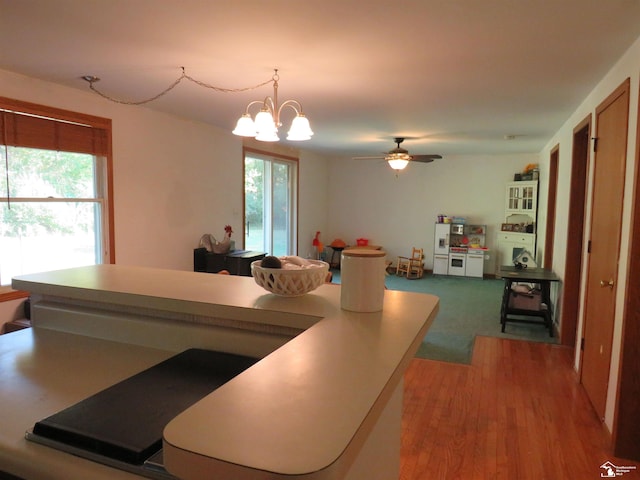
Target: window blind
(27,125)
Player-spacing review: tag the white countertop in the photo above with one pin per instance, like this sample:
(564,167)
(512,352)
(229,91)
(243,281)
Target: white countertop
(300,411)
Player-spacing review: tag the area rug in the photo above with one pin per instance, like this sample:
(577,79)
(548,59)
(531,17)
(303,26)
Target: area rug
(468,307)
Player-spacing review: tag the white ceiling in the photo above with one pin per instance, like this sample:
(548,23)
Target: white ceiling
(455,76)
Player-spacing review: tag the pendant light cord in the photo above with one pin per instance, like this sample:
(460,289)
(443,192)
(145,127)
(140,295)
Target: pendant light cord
(92,80)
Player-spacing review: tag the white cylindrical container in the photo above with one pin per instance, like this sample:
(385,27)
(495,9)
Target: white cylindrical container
(362,280)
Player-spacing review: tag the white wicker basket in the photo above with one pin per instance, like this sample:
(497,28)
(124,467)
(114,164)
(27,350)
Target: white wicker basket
(290,282)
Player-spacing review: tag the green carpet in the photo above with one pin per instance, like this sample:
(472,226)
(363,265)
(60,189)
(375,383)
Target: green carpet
(468,307)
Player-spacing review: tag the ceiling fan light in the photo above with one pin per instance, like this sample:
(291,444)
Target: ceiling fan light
(398,159)
(245,126)
(397,163)
(300,129)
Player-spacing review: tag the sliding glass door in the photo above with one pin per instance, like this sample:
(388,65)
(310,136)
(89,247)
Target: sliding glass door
(270,204)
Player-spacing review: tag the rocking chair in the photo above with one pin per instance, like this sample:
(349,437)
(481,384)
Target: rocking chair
(412,267)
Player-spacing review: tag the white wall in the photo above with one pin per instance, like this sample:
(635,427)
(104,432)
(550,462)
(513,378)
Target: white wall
(367,200)
(174,179)
(313,215)
(627,67)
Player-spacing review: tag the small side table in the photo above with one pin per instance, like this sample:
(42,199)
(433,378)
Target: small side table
(542,309)
(239,262)
(236,262)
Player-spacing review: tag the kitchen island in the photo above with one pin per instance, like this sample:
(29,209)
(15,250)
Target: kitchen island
(324,401)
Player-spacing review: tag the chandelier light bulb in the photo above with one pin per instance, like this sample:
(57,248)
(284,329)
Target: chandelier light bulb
(264,121)
(300,129)
(245,126)
(268,135)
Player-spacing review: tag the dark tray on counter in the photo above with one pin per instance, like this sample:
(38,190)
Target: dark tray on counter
(124,422)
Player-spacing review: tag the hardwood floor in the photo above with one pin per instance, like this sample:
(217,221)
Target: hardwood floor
(517,413)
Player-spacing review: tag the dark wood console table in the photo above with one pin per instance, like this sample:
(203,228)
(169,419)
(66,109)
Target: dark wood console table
(527,307)
(236,262)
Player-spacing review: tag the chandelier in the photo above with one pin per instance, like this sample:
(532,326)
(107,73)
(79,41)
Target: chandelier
(267,121)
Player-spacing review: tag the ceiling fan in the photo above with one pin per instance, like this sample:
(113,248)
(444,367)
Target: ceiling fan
(399,158)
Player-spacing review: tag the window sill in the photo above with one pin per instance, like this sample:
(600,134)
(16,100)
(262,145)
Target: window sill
(8,293)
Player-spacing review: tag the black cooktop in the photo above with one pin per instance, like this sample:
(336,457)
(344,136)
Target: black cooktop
(122,425)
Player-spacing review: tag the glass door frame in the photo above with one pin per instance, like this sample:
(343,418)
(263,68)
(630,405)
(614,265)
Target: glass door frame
(292,198)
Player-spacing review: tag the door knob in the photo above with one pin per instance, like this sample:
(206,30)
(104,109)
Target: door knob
(609,284)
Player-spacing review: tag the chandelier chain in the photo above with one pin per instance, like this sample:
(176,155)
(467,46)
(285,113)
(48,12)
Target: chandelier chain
(184,76)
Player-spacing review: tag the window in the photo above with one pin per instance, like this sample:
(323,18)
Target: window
(55,202)
(270,203)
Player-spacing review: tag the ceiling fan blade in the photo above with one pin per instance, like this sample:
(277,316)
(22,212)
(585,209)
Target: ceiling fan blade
(377,157)
(425,158)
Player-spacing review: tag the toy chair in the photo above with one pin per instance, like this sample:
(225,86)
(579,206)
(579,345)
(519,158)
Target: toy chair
(412,267)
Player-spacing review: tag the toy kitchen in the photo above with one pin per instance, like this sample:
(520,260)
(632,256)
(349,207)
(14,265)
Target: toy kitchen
(458,248)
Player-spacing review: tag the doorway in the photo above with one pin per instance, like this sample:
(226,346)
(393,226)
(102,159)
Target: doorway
(551,207)
(270,203)
(575,247)
(610,148)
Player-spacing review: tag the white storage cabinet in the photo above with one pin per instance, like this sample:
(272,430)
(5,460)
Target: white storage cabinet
(521,206)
